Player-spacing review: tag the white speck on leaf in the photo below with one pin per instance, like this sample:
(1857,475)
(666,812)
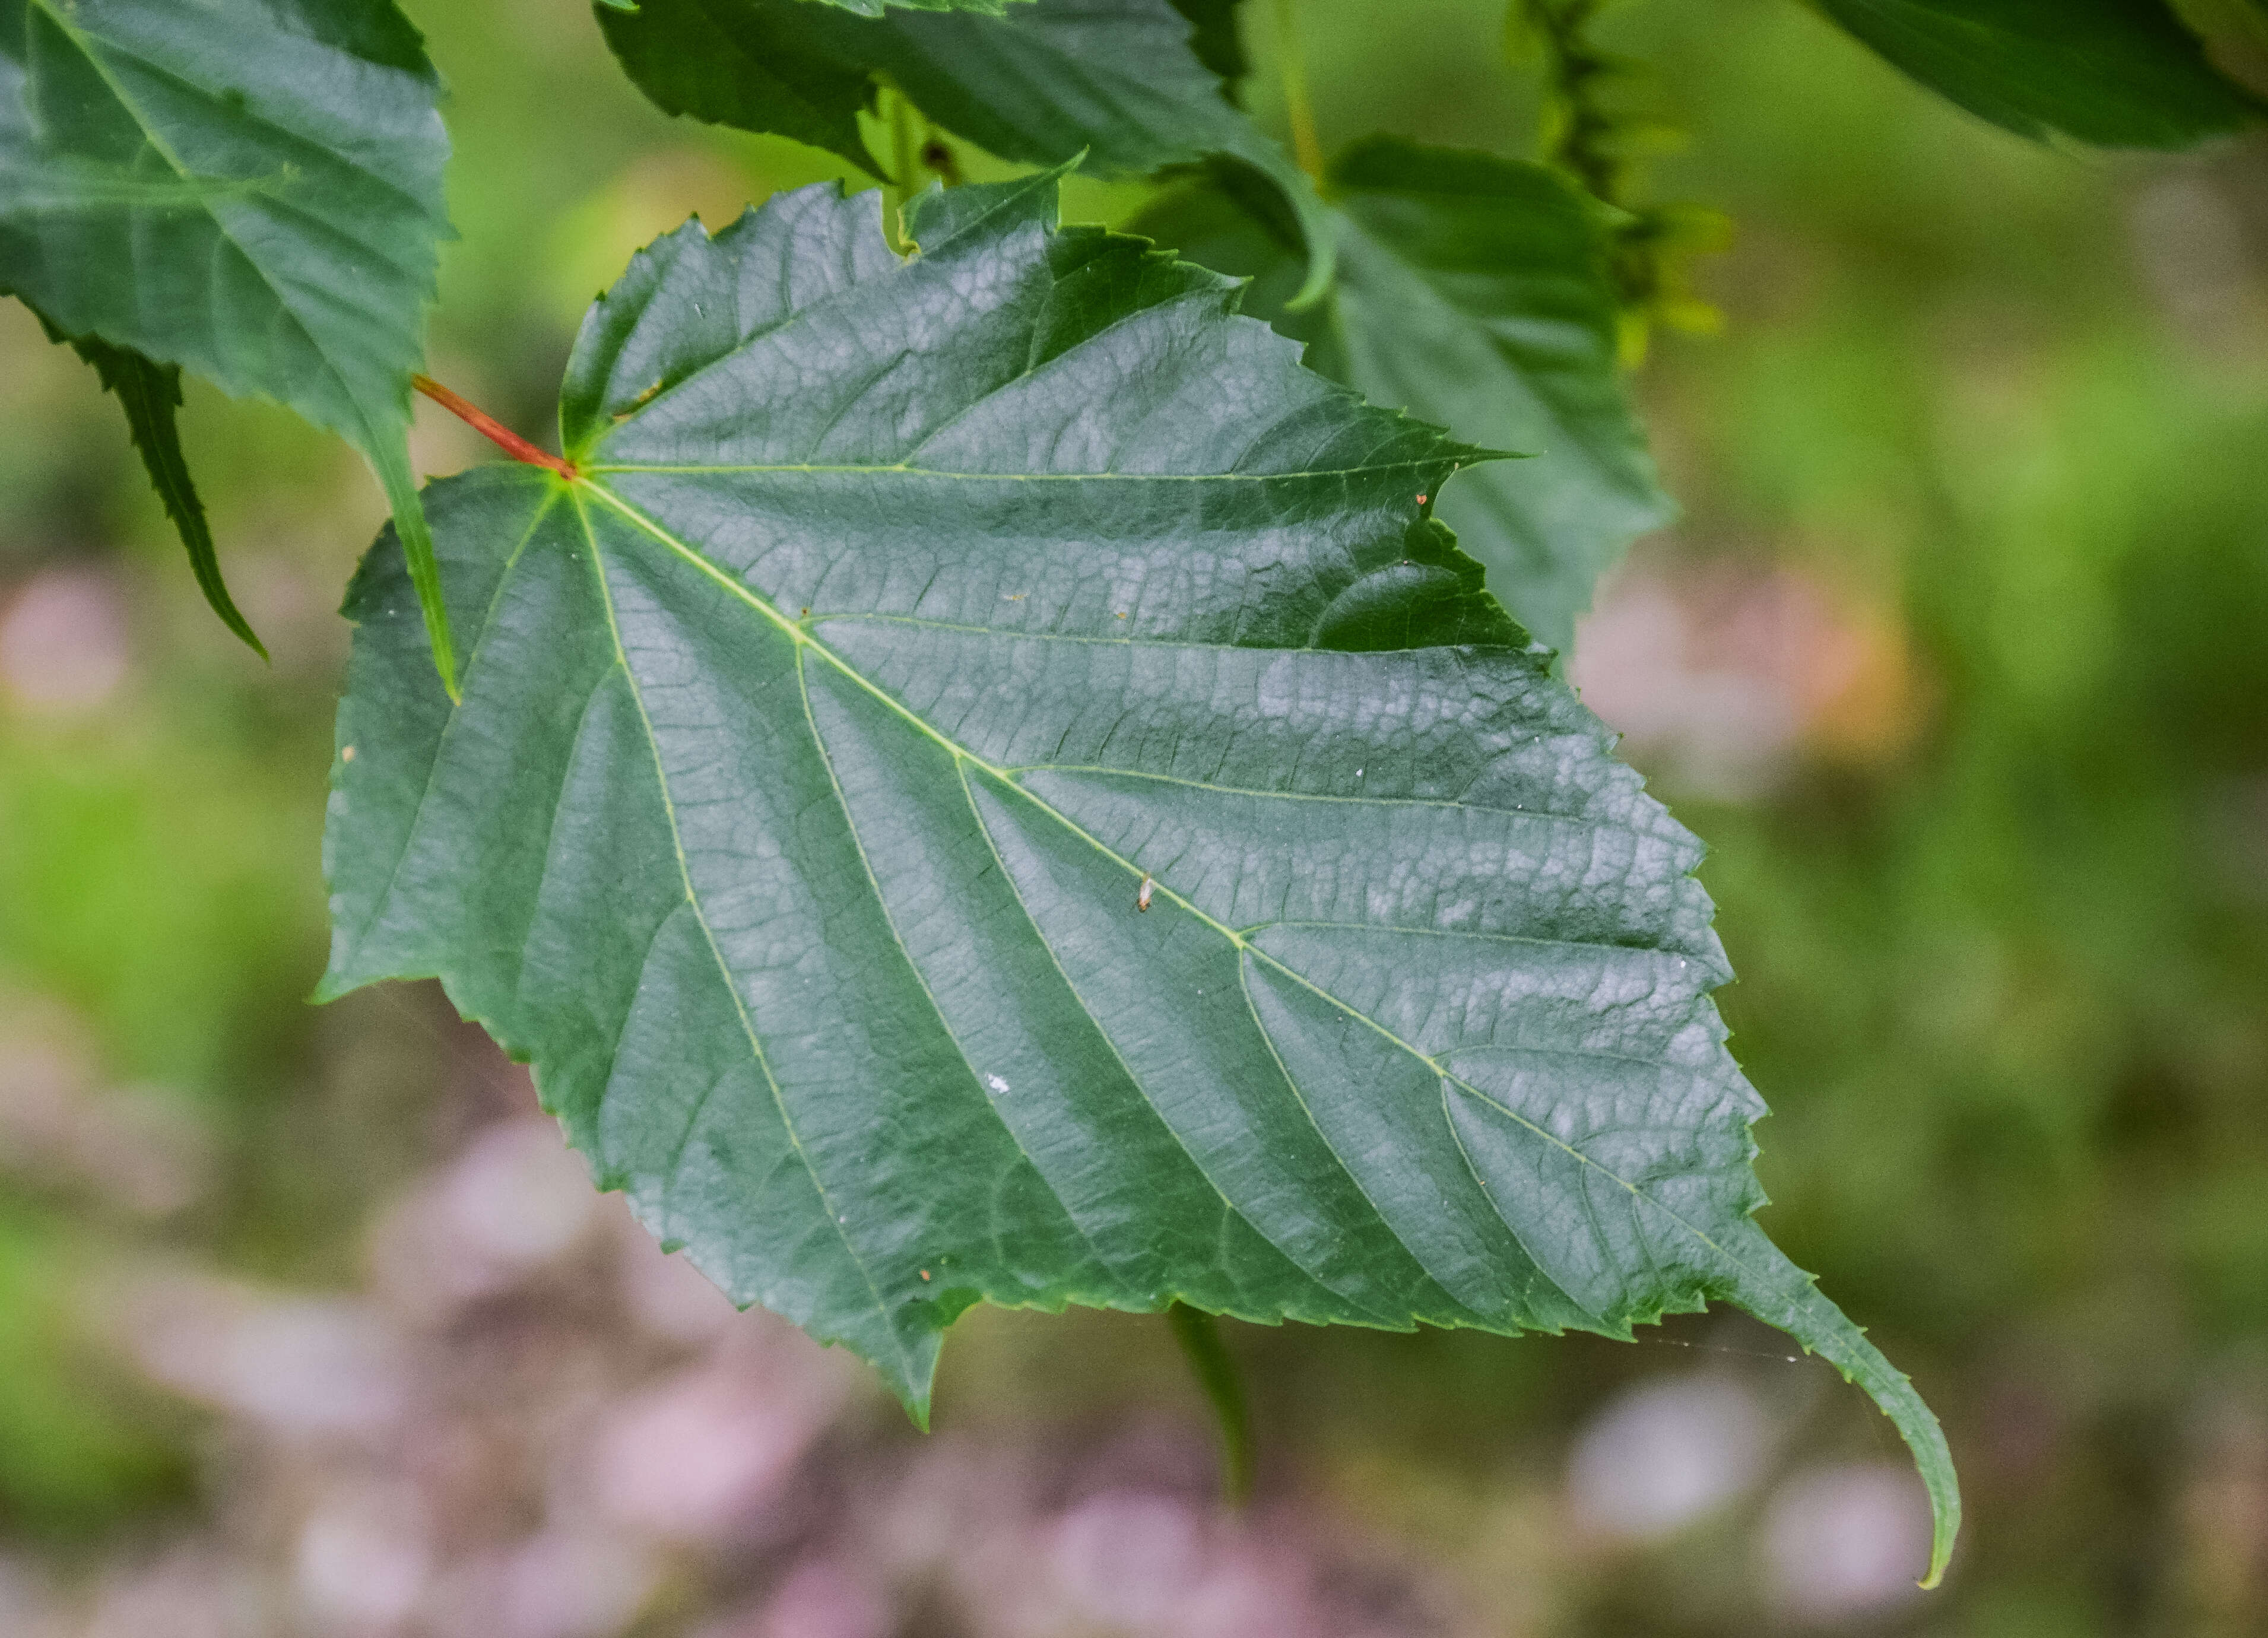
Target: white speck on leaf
(995,1082)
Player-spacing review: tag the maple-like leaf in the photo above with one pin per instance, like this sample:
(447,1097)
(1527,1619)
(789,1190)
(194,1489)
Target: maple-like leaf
(986,783)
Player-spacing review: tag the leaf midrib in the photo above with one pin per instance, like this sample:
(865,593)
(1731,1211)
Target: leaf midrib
(964,756)
(1070,988)
(962,760)
(1419,464)
(166,70)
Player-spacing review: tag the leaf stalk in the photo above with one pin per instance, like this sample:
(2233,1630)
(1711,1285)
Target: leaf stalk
(1298,108)
(905,151)
(490,428)
(1199,1336)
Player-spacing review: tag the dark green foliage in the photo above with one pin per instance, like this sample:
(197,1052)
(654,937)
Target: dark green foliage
(1212,38)
(992,786)
(2123,73)
(1126,88)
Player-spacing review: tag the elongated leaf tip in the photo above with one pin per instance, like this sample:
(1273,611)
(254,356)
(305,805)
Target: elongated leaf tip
(1760,1278)
(148,393)
(912,1376)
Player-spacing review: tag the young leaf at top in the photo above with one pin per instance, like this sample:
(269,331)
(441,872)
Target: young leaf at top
(900,632)
(1472,292)
(247,189)
(2122,73)
(1118,84)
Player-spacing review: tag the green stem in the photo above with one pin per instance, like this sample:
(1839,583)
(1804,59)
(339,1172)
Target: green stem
(389,457)
(1224,1389)
(905,160)
(1292,70)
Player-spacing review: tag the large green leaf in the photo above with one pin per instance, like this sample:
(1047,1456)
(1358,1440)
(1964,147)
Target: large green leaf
(247,189)
(2124,73)
(905,631)
(1472,292)
(1119,84)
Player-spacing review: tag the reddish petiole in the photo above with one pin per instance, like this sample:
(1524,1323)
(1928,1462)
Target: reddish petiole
(490,428)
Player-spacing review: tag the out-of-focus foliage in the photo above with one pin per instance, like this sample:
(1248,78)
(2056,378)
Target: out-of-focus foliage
(2127,73)
(1955,659)
(71,1457)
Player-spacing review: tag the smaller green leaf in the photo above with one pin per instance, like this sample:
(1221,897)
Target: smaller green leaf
(876,8)
(249,189)
(1472,292)
(149,393)
(390,460)
(777,71)
(2120,73)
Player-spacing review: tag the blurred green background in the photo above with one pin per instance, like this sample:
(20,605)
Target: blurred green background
(1958,658)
